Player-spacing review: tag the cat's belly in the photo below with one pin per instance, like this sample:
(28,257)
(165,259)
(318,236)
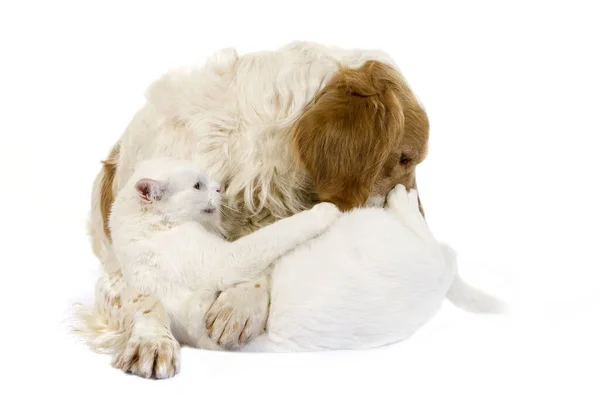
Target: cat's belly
(369,281)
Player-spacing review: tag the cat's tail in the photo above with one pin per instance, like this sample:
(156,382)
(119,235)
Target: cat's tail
(465,296)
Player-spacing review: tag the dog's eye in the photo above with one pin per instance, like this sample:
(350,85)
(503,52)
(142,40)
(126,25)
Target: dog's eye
(197,186)
(404,159)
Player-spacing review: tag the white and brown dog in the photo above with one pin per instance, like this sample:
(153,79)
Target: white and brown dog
(281,130)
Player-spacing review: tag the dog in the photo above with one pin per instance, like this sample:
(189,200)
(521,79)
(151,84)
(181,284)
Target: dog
(281,130)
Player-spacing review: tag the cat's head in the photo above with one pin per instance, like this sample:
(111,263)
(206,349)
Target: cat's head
(179,190)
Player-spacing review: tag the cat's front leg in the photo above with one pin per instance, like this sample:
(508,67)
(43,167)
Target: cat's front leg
(248,257)
(405,205)
(240,312)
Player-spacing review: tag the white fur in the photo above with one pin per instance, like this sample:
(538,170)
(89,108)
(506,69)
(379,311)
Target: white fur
(232,116)
(166,244)
(374,278)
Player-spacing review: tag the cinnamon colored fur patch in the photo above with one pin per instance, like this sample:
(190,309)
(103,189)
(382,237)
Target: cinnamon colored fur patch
(106,189)
(364,132)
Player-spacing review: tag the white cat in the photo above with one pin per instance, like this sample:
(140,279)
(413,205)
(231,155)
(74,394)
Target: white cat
(162,225)
(373,278)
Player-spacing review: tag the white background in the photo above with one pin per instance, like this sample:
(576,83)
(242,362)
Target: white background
(511,181)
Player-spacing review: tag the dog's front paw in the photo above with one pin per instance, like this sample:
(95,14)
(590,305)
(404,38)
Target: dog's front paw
(326,213)
(149,355)
(238,315)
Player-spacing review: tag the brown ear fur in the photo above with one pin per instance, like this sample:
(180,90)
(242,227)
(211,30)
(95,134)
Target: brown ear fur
(106,187)
(344,138)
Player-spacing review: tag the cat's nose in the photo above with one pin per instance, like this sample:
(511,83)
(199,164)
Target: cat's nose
(219,190)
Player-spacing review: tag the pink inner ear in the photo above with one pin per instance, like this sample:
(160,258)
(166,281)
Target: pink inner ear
(146,189)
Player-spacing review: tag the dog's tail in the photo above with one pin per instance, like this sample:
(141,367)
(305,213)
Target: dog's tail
(97,329)
(465,296)
(101,325)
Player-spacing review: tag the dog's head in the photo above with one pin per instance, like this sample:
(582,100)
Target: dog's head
(364,133)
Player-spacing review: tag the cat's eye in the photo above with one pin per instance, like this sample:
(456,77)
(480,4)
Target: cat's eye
(197,186)
(404,159)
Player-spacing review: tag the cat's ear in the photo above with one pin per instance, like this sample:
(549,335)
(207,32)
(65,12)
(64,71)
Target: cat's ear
(150,190)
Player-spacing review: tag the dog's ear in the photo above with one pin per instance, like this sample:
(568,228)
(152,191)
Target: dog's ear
(345,136)
(150,190)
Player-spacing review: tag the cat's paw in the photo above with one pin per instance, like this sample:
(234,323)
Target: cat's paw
(149,355)
(326,213)
(398,193)
(403,201)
